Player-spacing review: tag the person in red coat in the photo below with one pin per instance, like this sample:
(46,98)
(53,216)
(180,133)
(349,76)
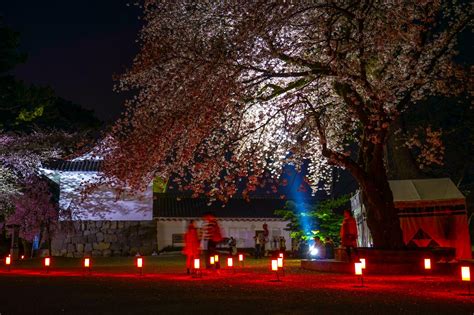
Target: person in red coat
(191,245)
(212,234)
(349,234)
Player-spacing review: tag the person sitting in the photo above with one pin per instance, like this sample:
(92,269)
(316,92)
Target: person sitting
(329,246)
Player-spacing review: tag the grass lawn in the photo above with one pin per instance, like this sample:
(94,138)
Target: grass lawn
(114,287)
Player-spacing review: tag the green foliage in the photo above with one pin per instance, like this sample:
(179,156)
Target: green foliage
(324,221)
(27,116)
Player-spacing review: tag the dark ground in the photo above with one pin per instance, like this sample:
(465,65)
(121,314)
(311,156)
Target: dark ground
(114,287)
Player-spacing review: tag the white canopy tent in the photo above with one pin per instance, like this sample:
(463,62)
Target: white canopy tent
(432,213)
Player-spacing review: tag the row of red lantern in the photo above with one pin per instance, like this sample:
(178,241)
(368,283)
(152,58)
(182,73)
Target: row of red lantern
(139,262)
(465,270)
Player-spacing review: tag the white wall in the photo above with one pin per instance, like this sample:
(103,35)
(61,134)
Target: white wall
(102,203)
(242,231)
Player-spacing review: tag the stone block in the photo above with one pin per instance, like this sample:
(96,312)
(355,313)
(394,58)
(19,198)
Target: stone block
(88,248)
(135,242)
(80,248)
(115,246)
(100,236)
(101,246)
(113,225)
(71,248)
(78,239)
(110,238)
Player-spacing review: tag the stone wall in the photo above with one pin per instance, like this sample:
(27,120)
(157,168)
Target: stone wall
(104,238)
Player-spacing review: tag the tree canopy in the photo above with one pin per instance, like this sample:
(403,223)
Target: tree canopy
(229,90)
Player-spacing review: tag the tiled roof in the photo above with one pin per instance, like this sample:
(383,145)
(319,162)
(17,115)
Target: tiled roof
(171,205)
(74,166)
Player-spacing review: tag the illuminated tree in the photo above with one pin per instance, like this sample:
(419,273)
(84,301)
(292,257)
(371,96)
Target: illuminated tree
(229,90)
(35,211)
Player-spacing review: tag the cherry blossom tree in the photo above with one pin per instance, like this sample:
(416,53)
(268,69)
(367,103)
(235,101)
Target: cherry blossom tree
(234,90)
(35,211)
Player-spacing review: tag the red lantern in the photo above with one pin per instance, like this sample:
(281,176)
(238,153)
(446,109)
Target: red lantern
(274,265)
(465,274)
(212,260)
(358,269)
(47,264)
(139,262)
(281,255)
(362,261)
(87,262)
(8,262)
(197,263)
(427,263)
(241,257)
(22,257)
(230,262)
(280,262)
(216,258)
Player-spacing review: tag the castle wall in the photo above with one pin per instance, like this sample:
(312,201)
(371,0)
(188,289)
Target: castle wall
(104,238)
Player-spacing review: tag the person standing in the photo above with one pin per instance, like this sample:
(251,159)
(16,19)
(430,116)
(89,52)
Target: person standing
(212,233)
(258,245)
(349,234)
(282,244)
(191,245)
(232,246)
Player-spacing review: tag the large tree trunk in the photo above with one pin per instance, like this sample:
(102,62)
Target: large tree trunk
(382,218)
(377,197)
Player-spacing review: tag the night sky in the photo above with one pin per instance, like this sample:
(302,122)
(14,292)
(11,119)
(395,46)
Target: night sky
(76,47)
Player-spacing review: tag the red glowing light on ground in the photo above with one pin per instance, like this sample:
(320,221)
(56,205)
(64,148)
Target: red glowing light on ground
(47,261)
(241,257)
(230,262)
(139,262)
(8,260)
(197,263)
(87,262)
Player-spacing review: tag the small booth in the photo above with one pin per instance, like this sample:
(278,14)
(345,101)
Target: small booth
(432,213)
